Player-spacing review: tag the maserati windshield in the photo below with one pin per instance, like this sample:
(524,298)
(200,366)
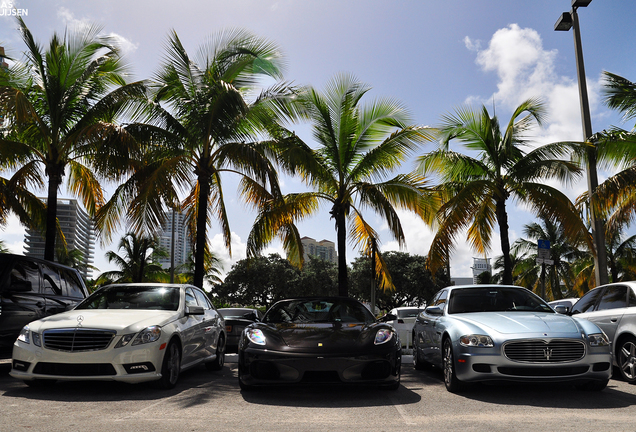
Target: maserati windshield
(495,299)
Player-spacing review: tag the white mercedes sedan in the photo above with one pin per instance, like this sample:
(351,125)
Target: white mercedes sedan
(124,332)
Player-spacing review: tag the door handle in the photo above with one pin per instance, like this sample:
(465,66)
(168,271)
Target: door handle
(614,319)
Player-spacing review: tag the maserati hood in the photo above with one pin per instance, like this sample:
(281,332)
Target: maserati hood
(522,322)
(105,319)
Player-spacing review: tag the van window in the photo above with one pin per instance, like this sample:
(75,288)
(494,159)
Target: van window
(25,273)
(71,287)
(51,283)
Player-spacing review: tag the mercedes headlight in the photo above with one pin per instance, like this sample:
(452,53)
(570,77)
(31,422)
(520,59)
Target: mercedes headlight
(475,340)
(25,335)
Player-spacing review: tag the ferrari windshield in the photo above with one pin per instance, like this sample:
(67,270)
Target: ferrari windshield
(133,297)
(495,299)
(318,311)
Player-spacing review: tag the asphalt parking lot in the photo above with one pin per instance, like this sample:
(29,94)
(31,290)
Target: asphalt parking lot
(205,401)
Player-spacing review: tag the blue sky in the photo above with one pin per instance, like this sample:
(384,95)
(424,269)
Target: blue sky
(431,55)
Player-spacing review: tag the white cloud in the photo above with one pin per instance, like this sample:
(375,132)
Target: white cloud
(79,24)
(13,235)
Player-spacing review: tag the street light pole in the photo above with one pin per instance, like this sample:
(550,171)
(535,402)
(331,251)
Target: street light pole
(566,21)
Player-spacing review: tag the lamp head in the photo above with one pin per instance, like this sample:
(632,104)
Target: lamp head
(564,23)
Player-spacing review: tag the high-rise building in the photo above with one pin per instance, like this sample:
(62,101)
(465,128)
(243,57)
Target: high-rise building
(323,249)
(3,65)
(480,265)
(182,244)
(78,230)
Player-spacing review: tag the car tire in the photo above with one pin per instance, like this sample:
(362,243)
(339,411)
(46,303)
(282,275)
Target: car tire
(170,367)
(219,361)
(453,384)
(242,385)
(418,362)
(626,359)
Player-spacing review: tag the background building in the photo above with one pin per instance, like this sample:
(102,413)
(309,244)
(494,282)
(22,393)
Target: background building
(78,230)
(480,265)
(323,249)
(182,245)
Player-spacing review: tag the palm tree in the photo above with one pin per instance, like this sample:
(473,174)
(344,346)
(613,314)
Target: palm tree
(204,121)
(60,110)
(615,198)
(621,256)
(358,146)
(476,189)
(563,252)
(138,263)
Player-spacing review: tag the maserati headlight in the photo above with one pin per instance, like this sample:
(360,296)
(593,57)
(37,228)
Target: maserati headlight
(256,336)
(475,340)
(598,339)
(383,336)
(25,335)
(148,335)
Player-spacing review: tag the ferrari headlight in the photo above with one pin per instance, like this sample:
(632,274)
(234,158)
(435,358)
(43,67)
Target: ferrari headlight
(256,336)
(475,340)
(148,335)
(25,335)
(598,340)
(383,336)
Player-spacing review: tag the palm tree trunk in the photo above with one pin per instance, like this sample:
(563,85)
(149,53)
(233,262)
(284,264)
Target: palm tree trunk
(341,231)
(51,216)
(201,239)
(502,219)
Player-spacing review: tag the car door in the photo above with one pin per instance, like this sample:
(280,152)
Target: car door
(211,323)
(20,301)
(54,290)
(193,331)
(427,331)
(610,307)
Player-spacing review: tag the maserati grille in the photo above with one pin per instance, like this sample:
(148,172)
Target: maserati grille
(545,351)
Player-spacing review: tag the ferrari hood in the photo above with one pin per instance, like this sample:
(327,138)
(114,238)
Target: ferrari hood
(113,319)
(324,337)
(522,322)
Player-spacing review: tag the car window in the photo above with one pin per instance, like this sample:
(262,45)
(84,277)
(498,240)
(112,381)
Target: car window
(632,297)
(190,299)
(51,283)
(203,299)
(318,311)
(495,299)
(71,286)
(408,313)
(441,300)
(133,297)
(25,274)
(613,297)
(587,302)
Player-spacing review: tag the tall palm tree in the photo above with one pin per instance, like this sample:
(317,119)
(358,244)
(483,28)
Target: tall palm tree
(563,252)
(60,104)
(476,188)
(358,146)
(615,198)
(621,256)
(138,261)
(205,120)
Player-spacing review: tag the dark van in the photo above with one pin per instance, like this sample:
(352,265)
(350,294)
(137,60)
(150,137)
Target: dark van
(31,289)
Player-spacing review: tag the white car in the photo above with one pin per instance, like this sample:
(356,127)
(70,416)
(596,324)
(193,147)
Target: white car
(405,318)
(127,332)
(568,303)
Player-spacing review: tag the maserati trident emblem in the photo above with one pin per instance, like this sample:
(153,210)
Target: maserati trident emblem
(547,352)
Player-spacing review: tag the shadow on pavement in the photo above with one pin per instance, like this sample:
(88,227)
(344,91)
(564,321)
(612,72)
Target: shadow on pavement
(548,395)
